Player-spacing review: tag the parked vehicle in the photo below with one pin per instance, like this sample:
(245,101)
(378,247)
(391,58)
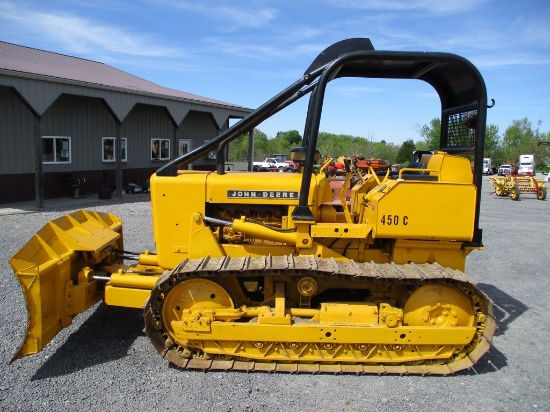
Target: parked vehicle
(488,166)
(505,170)
(283,158)
(527,165)
(270,164)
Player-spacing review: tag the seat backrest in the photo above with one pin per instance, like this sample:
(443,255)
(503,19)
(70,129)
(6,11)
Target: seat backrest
(416,165)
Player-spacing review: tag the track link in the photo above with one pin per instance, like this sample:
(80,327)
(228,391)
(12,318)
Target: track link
(309,265)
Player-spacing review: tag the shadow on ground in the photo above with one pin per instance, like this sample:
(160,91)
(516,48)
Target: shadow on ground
(105,336)
(507,309)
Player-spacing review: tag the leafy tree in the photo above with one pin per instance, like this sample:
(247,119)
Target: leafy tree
(386,151)
(543,152)
(422,145)
(261,145)
(238,149)
(404,155)
(519,138)
(431,134)
(431,139)
(292,137)
(492,140)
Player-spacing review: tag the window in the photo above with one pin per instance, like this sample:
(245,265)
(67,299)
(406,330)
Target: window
(108,147)
(56,149)
(160,149)
(184,146)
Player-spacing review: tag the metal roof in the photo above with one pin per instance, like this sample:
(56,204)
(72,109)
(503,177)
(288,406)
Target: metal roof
(26,60)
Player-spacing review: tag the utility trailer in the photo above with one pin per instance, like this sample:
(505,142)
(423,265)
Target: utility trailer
(513,186)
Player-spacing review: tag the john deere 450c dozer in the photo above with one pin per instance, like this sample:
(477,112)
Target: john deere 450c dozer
(267,272)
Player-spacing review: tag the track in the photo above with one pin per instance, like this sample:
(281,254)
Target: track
(423,274)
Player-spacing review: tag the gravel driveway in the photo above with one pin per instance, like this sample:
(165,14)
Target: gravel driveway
(104,360)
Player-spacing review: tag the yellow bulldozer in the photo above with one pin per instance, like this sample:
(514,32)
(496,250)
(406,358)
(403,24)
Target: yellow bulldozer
(272,274)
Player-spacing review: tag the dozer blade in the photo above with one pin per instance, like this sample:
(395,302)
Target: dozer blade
(55,271)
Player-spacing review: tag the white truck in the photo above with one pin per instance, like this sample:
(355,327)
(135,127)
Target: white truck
(270,164)
(488,166)
(527,165)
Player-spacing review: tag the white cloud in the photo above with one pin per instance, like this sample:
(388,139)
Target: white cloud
(233,16)
(431,6)
(80,35)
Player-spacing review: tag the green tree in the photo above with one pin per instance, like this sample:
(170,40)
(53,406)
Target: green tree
(492,140)
(238,148)
(386,151)
(261,145)
(519,138)
(431,134)
(404,155)
(331,144)
(543,152)
(431,139)
(292,137)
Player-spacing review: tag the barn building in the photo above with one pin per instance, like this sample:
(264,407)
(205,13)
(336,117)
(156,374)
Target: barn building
(67,122)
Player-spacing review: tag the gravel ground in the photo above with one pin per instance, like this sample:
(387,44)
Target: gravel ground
(104,360)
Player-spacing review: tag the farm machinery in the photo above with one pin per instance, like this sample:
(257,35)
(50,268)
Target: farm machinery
(258,274)
(513,185)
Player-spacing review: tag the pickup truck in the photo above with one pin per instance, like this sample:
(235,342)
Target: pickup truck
(505,170)
(270,164)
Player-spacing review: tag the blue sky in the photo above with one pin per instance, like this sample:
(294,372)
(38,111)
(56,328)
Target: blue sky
(244,52)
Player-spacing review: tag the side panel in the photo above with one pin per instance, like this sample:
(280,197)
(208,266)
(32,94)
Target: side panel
(174,202)
(254,188)
(423,210)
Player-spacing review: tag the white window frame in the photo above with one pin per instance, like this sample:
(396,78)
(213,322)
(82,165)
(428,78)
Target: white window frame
(66,148)
(162,144)
(184,146)
(104,154)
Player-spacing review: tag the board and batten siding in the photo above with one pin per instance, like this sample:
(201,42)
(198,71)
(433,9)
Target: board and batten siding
(142,124)
(85,120)
(16,135)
